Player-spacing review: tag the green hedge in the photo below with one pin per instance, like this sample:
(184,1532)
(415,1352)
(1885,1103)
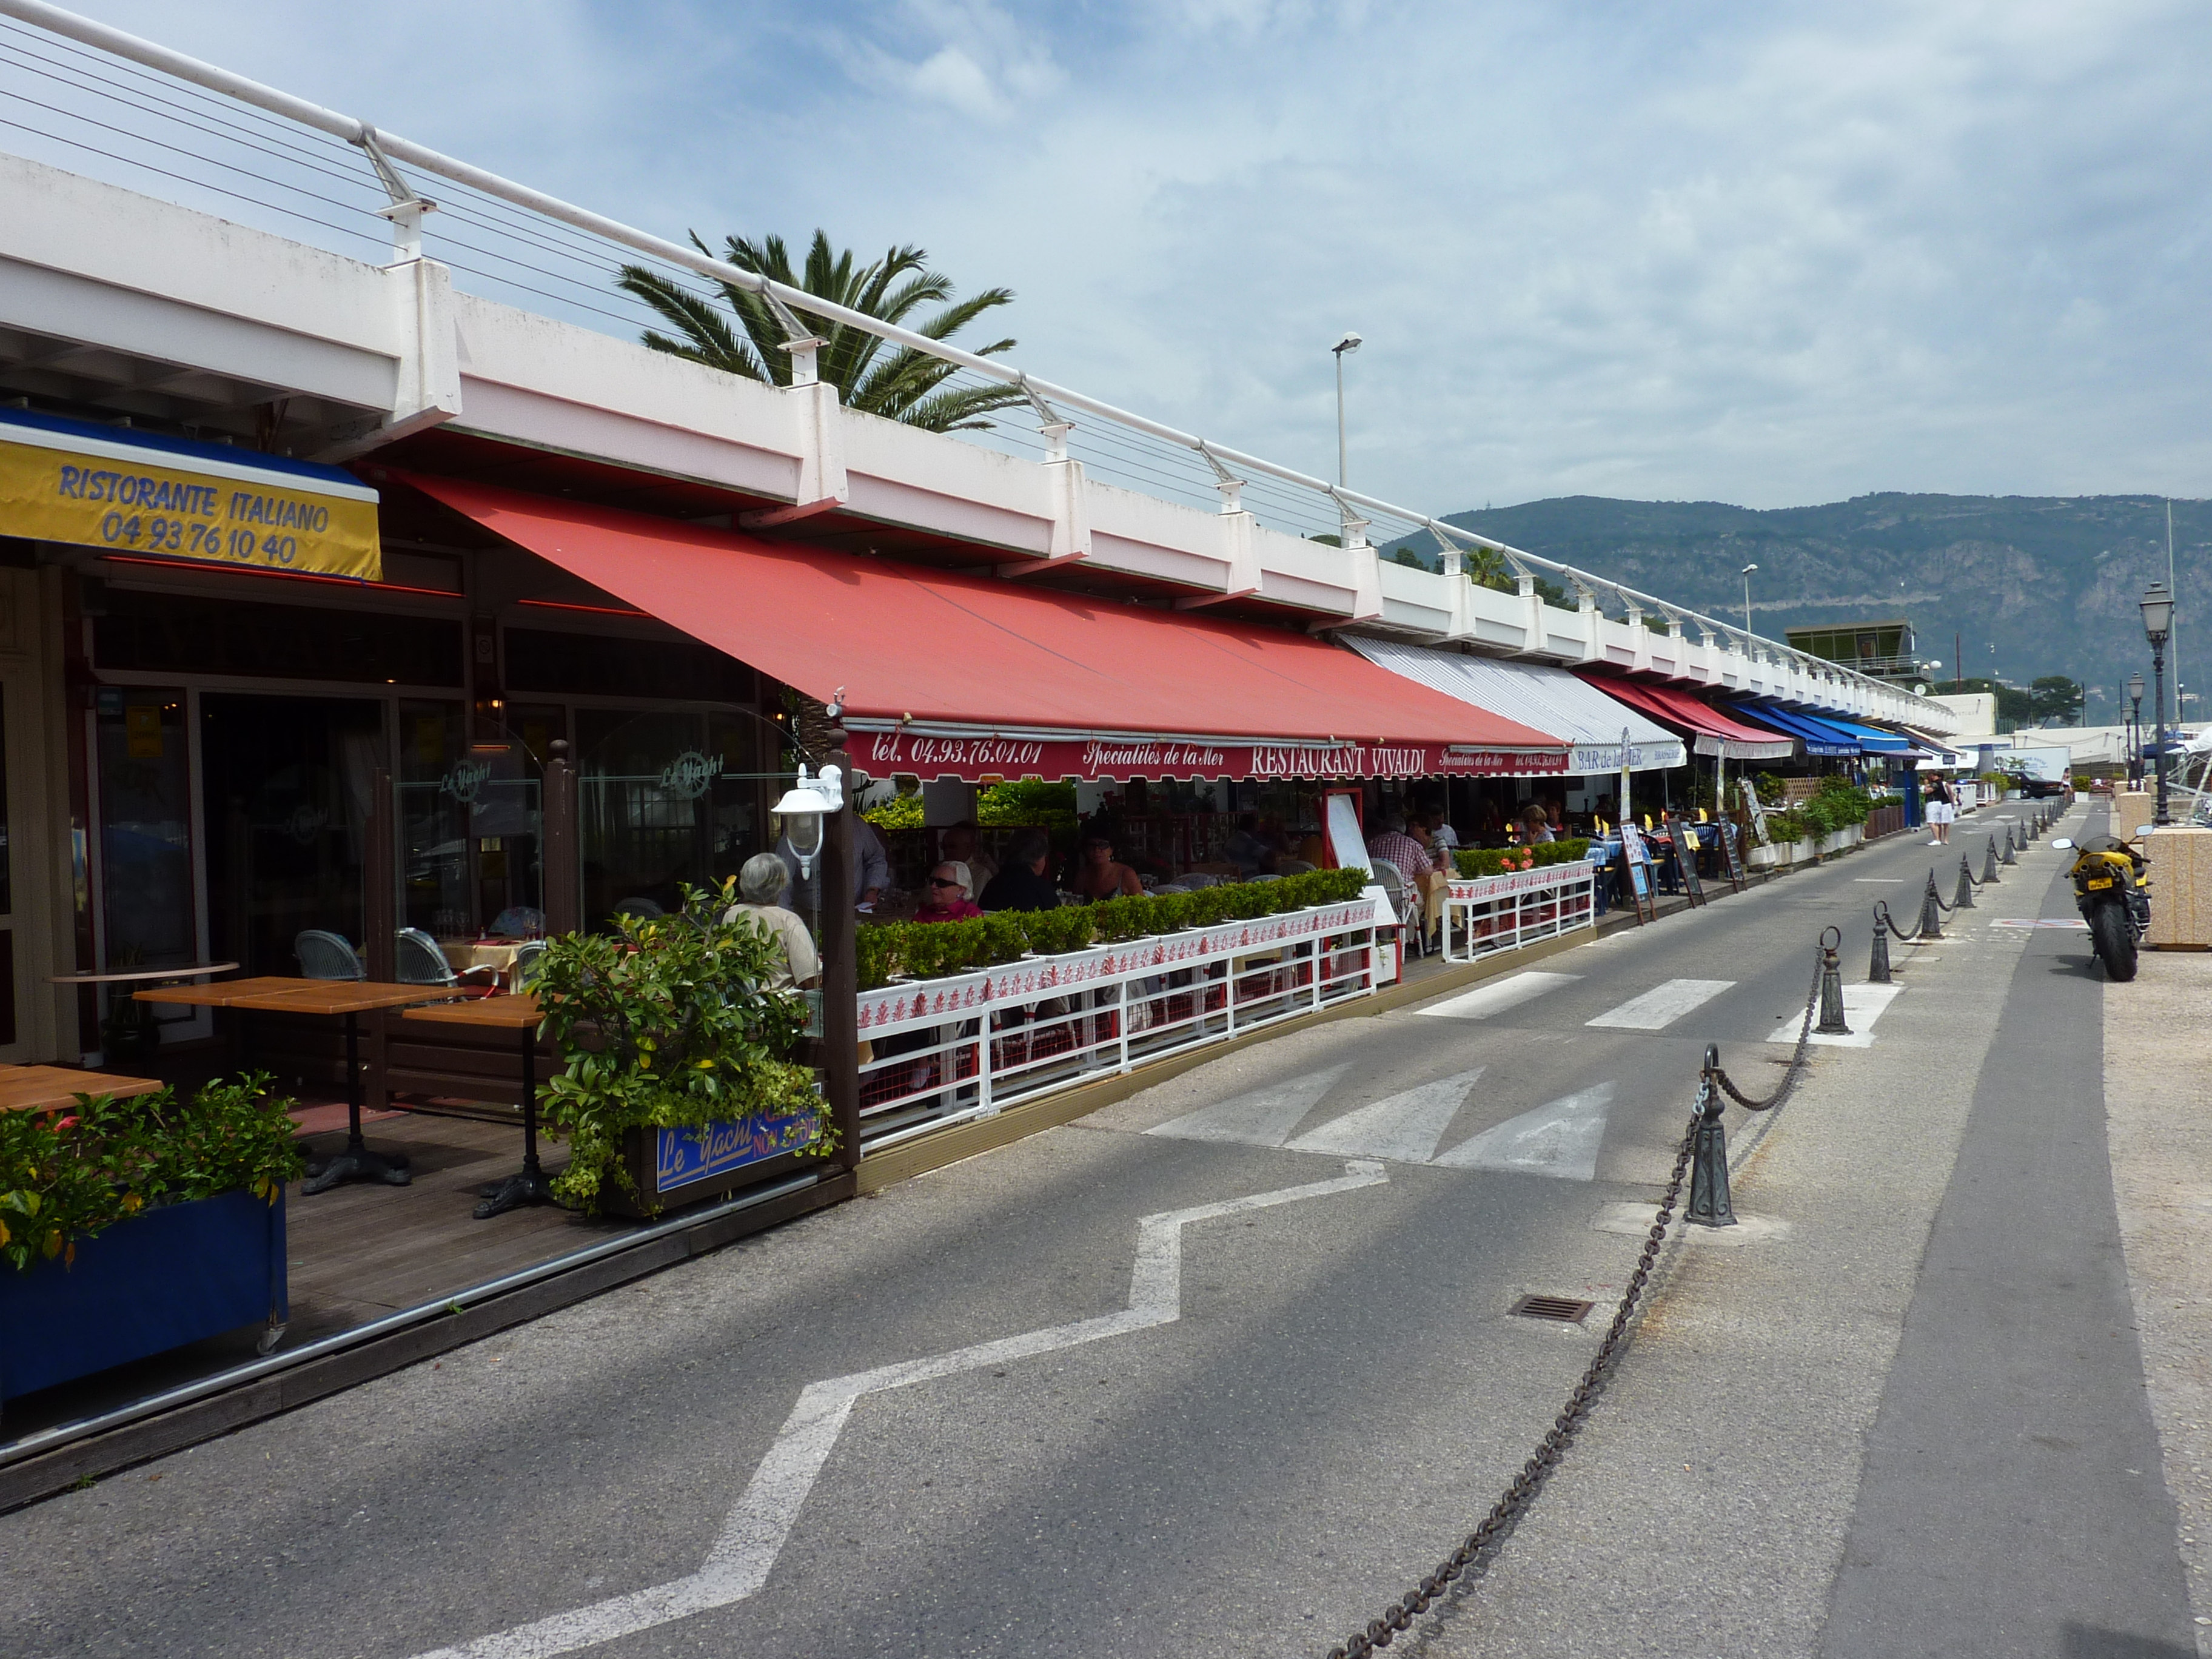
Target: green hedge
(933,950)
(1472,861)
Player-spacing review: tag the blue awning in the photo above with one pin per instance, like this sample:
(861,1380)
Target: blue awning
(1821,739)
(1872,738)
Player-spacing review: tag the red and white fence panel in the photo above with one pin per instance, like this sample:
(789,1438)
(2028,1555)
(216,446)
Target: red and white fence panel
(1490,913)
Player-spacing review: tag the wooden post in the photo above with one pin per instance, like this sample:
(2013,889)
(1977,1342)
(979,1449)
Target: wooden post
(380,949)
(564,894)
(841,1030)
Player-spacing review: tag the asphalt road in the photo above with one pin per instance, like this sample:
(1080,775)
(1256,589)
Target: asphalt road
(996,1410)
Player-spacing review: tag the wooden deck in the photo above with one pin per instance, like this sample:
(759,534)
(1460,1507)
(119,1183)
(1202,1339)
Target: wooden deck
(360,1252)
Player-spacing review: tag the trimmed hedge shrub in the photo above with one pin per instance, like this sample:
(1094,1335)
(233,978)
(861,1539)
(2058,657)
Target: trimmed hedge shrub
(1473,861)
(934,950)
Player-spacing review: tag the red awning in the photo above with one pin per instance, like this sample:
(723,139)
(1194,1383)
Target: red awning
(1714,732)
(948,675)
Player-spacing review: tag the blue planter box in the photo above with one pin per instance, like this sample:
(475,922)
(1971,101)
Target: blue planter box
(160,1280)
(676,1167)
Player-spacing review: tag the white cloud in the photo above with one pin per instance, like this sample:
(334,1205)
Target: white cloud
(1771,254)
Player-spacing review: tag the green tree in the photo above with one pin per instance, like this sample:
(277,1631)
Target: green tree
(895,382)
(2054,697)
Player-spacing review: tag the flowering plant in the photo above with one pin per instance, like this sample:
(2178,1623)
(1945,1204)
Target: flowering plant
(67,1172)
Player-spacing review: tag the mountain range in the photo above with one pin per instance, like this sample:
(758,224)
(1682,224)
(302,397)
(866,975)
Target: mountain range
(2011,586)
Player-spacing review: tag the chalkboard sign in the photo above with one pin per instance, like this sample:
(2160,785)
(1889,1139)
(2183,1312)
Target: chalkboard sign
(1732,853)
(1686,857)
(1637,857)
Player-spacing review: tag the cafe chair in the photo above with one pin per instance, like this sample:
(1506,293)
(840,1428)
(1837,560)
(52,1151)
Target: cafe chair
(639,910)
(418,961)
(323,955)
(1293,867)
(1406,902)
(518,921)
(528,959)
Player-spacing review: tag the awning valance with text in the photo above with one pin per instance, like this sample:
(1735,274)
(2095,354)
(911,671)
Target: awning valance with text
(949,675)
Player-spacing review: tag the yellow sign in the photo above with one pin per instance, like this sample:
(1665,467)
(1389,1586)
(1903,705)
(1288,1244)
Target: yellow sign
(67,486)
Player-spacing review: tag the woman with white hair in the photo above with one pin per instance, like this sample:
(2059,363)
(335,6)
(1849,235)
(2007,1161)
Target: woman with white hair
(762,882)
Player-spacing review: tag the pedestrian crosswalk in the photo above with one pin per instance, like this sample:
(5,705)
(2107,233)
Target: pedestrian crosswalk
(1498,995)
(1661,1006)
(1406,1127)
(1862,1005)
(1559,1139)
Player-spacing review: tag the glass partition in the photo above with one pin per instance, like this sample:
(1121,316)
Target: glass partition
(664,798)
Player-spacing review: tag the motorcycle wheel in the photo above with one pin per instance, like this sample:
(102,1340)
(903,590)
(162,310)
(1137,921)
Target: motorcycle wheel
(2113,933)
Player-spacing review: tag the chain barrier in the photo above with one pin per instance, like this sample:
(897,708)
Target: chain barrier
(1881,914)
(1937,896)
(1398,1616)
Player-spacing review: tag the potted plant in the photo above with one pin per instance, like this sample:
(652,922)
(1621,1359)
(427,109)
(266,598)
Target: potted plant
(675,1083)
(129,1227)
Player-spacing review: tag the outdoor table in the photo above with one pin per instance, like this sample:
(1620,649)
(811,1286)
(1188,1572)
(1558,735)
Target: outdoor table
(350,998)
(230,992)
(516,1013)
(37,1088)
(122,976)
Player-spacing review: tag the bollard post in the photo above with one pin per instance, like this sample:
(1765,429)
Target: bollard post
(1832,987)
(1989,861)
(1709,1173)
(1878,964)
(1931,912)
(2006,857)
(2034,829)
(1965,898)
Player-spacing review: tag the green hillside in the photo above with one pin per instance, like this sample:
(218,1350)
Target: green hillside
(2051,582)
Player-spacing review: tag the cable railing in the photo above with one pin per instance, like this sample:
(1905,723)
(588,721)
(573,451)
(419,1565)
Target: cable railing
(83,89)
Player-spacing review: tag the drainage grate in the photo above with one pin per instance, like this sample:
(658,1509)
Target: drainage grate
(1562,1309)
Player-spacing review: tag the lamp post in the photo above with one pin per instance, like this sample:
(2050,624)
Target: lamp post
(1349,343)
(1747,570)
(2134,730)
(2158,625)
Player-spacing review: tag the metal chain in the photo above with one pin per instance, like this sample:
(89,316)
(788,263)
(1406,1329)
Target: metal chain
(1881,910)
(1797,1056)
(1401,1613)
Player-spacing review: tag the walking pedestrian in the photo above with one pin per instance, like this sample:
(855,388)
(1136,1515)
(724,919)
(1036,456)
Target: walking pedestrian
(1942,810)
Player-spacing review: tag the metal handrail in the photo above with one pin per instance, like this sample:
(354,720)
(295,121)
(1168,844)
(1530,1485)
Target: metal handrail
(379,145)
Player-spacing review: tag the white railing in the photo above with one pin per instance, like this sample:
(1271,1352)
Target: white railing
(544,247)
(1490,913)
(943,1051)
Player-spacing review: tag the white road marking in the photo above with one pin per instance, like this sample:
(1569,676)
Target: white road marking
(1862,1005)
(1559,1139)
(1405,1127)
(753,1535)
(1499,995)
(1264,1117)
(1880,881)
(2041,922)
(1663,1005)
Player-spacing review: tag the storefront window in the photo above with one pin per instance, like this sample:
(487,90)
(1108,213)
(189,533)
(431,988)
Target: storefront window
(469,826)
(146,843)
(664,799)
(289,785)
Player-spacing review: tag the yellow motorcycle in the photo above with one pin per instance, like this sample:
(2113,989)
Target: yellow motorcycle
(2113,896)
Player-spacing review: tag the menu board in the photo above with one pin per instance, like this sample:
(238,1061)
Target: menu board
(1686,856)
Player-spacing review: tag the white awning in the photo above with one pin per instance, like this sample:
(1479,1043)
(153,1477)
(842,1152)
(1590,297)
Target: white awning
(1551,700)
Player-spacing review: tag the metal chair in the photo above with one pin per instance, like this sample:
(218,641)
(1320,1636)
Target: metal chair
(639,910)
(418,961)
(1406,902)
(528,959)
(323,955)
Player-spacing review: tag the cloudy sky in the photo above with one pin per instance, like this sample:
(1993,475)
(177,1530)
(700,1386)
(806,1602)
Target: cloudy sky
(1771,254)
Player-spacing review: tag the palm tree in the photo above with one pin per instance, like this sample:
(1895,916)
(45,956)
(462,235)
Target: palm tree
(896,382)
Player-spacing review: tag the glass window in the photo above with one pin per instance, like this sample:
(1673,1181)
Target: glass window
(179,634)
(146,843)
(436,784)
(664,799)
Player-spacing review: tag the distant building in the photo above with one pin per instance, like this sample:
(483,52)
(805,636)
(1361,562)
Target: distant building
(1882,650)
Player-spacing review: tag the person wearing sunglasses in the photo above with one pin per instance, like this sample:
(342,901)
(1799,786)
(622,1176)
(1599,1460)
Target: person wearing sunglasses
(944,895)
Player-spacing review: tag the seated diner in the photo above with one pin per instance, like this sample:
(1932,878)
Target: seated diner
(947,899)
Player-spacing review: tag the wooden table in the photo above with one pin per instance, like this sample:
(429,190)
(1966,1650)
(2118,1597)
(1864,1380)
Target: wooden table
(516,1013)
(39,1088)
(123,975)
(329,998)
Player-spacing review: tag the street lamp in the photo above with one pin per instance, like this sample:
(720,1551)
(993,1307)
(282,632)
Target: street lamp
(2134,730)
(2158,624)
(1747,570)
(1349,343)
(802,809)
